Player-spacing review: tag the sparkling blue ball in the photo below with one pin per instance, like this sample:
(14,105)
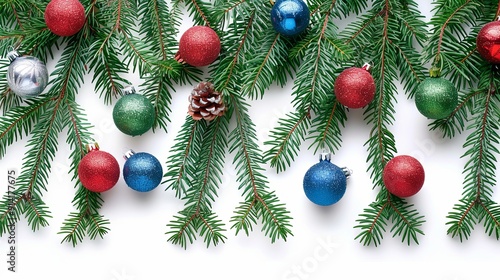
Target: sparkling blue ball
(290,17)
(142,172)
(324,183)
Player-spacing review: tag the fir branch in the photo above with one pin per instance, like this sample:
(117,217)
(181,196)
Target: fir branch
(286,140)
(475,204)
(259,202)
(19,121)
(451,39)
(182,160)
(198,11)
(105,60)
(197,216)
(328,122)
(392,27)
(320,53)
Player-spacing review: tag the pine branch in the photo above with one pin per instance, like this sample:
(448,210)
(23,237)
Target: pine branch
(391,27)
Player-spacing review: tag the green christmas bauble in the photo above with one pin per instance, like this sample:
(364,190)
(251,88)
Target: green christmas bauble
(133,114)
(436,98)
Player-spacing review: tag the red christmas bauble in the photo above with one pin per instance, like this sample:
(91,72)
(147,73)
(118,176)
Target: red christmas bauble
(488,42)
(199,46)
(354,87)
(403,176)
(65,17)
(98,171)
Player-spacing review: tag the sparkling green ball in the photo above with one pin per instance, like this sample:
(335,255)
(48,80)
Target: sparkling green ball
(133,114)
(436,98)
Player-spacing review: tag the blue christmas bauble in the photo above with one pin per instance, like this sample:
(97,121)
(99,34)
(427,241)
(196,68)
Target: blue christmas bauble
(325,183)
(142,172)
(290,17)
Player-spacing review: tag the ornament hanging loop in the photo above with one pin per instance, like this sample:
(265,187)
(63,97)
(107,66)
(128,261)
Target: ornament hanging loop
(347,172)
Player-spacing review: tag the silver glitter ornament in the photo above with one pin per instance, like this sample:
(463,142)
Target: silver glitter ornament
(27,76)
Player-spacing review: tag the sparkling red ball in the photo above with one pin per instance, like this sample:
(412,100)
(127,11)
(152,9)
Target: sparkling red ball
(354,87)
(403,176)
(199,46)
(488,42)
(65,17)
(98,171)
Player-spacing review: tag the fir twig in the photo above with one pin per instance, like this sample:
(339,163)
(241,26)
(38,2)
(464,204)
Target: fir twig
(452,48)
(320,54)
(391,27)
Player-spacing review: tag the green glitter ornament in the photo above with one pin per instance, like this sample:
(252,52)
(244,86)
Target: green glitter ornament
(133,114)
(436,98)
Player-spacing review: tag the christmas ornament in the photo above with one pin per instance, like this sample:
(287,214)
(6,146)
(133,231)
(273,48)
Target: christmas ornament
(436,98)
(27,76)
(205,102)
(98,171)
(142,171)
(355,87)
(65,17)
(403,176)
(199,46)
(133,114)
(488,42)
(290,17)
(325,183)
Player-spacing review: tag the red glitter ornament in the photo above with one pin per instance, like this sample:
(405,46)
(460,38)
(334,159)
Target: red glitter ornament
(355,87)
(98,171)
(488,42)
(199,46)
(64,17)
(403,176)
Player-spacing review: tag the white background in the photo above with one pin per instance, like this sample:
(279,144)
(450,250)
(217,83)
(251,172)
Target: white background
(323,244)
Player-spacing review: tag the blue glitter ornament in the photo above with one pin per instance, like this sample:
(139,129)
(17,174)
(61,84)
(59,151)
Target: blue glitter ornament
(290,17)
(142,171)
(324,182)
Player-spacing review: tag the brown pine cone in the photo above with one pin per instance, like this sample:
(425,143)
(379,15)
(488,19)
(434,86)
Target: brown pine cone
(205,102)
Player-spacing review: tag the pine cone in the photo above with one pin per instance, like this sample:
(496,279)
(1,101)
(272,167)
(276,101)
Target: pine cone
(205,102)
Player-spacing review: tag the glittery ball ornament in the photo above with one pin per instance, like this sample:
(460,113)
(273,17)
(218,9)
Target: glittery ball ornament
(436,98)
(133,113)
(355,87)
(488,42)
(98,171)
(403,176)
(290,17)
(65,17)
(142,171)
(27,76)
(325,183)
(199,46)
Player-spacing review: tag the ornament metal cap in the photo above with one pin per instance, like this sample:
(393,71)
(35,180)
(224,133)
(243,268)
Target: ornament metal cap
(367,67)
(12,55)
(328,157)
(130,89)
(128,154)
(92,147)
